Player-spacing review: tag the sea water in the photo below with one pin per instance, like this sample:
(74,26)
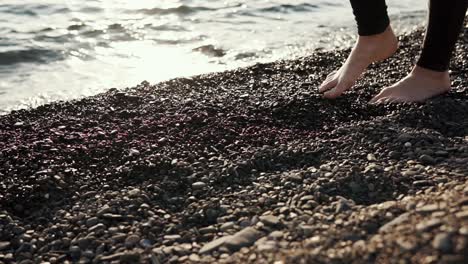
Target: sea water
(65,49)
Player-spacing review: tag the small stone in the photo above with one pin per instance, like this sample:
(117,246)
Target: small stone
(307,230)
(243,238)
(112,216)
(387,205)
(145,243)
(126,257)
(88,254)
(408,144)
(284,210)
(309,205)
(167,250)
(313,241)
(427,225)
(130,257)
(194,257)
(394,154)
(26,247)
(428,208)
(426,159)
(452,259)
(371,157)
(463,231)
(18,230)
(342,206)
(214,245)
(207,230)
(83,243)
(355,187)
(463,202)
(276,234)
(92,221)
(396,221)
(131,241)
(462,215)
(97,227)
(405,244)
(325,167)
(134,152)
(441,153)
(134,192)
(119,237)
(269,246)
(442,242)
(408,173)
(172,237)
(307,198)
(404,137)
(212,213)
(75,252)
(105,209)
(8,257)
(4,245)
(227,226)
(269,220)
(295,177)
(422,183)
(373,167)
(245,222)
(198,185)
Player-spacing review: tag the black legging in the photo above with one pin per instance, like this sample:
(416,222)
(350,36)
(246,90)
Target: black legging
(444,25)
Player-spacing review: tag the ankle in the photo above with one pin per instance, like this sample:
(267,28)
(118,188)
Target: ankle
(431,74)
(377,47)
(384,37)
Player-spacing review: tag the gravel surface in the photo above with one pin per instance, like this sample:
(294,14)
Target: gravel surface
(244,166)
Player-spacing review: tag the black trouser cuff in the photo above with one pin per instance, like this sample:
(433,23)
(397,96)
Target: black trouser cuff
(429,63)
(369,29)
(371,16)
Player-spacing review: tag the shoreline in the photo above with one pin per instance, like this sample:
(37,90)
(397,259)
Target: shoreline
(244,166)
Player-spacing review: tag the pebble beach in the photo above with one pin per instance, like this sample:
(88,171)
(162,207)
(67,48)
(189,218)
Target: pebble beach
(249,165)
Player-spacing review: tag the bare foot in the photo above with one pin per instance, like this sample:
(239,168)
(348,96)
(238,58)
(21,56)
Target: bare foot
(420,85)
(368,49)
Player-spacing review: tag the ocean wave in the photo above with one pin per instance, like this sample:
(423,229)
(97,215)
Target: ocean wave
(32,55)
(76,26)
(180,10)
(64,38)
(91,9)
(211,50)
(179,40)
(168,27)
(32,9)
(23,10)
(288,8)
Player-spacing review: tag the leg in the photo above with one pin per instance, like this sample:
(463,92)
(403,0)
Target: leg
(430,76)
(376,42)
